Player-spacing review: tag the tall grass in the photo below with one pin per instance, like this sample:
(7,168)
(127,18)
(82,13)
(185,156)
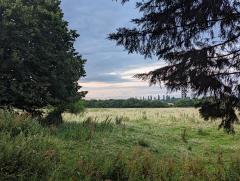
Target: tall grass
(26,150)
(141,165)
(96,149)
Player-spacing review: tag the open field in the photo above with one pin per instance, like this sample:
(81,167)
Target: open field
(119,144)
(172,131)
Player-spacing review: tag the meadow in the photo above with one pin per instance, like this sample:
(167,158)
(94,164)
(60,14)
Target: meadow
(119,144)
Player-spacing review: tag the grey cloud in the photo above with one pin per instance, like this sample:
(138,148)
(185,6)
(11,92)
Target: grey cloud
(94,20)
(104,78)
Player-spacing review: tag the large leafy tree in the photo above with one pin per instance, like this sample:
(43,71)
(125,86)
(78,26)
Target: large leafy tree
(38,63)
(199,41)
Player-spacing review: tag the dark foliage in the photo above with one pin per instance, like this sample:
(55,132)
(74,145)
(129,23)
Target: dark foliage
(199,40)
(121,103)
(135,103)
(38,63)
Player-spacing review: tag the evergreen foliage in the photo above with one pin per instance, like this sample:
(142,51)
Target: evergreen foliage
(199,41)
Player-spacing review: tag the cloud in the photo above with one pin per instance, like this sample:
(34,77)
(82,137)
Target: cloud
(122,92)
(94,20)
(129,73)
(112,85)
(109,68)
(126,86)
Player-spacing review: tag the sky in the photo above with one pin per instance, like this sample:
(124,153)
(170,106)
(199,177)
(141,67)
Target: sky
(109,68)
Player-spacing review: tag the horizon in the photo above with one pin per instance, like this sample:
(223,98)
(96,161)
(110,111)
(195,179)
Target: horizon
(154,97)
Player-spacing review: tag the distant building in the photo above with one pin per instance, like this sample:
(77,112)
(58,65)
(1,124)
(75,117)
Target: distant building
(184,93)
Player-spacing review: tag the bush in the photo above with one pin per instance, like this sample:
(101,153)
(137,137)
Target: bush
(76,107)
(26,152)
(24,158)
(15,124)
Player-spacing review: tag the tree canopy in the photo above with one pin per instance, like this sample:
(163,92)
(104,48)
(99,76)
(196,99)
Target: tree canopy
(199,41)
(38,63)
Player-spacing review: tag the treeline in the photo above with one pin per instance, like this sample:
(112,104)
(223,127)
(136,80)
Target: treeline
(136,103)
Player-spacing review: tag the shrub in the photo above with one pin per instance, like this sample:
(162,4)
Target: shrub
(76,107)
(26,152)
(15,124)
(24,158)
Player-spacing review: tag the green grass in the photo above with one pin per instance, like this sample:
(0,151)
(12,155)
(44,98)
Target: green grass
(119,144)
(163,129)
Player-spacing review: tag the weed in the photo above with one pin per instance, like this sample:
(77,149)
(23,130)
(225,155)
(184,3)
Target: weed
(119,120)
(143,143)
(201,132)
(144,115)
(184,135)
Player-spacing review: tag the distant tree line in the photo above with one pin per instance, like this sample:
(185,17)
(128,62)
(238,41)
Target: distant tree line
(136,103)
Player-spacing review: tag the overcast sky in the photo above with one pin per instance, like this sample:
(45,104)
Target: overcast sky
(109,68)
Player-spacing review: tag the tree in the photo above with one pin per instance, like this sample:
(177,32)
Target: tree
(38,63)
(199,41)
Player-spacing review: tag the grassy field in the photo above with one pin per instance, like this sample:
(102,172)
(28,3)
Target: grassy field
(119,144)
(176,131)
